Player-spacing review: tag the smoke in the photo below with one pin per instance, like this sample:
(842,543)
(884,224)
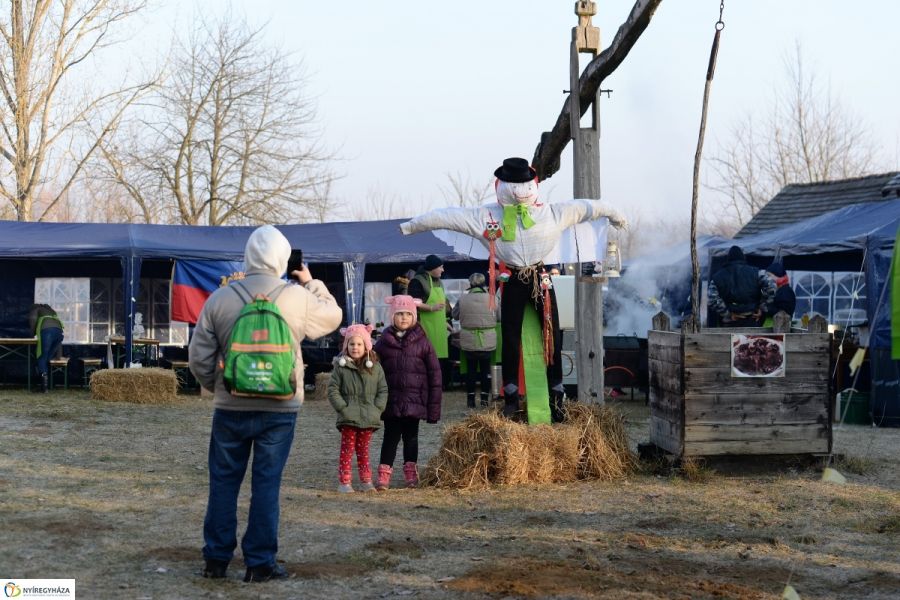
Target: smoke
(649,284)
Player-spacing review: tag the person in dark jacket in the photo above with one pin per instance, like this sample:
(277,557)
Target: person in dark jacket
(48,329)
(358,392)
(414,388)
(739,293)
(785,299)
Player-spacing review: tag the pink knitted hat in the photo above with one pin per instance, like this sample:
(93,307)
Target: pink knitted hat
(358,330)
(403,303)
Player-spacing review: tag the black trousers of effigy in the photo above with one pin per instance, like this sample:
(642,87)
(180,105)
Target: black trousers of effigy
(516,296)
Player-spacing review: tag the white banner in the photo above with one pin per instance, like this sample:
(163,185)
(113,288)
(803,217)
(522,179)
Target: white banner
(38,589)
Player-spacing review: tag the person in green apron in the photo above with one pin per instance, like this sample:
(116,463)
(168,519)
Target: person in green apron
(434,312)
(477,336)
(48,329)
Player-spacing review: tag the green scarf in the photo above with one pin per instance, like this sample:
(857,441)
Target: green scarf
(509,220)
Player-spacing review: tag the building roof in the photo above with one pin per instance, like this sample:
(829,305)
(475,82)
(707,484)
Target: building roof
(801,201)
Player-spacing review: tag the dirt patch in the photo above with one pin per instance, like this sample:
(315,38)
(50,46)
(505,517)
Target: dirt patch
(594,579)
(114,496)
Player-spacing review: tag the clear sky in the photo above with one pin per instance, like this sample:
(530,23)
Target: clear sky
(411,91)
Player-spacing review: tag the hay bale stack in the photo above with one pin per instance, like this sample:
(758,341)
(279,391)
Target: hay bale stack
(141,386)
(486,449)
(321,393)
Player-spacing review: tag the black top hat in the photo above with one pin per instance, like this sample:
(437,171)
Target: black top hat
(515,170)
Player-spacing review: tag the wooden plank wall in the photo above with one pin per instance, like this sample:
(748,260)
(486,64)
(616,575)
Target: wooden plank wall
(666,363)
(734,415)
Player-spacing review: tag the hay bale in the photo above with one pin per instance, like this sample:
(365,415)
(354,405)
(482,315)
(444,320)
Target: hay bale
(486,449)
(141,386)
(321,392)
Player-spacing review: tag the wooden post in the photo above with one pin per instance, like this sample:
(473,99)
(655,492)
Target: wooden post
(586,174)
(661,322)
(818,324)
(781,322)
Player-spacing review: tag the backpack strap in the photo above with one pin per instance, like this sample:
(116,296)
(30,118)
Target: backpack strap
(273,295)
(238,284)
(249,297)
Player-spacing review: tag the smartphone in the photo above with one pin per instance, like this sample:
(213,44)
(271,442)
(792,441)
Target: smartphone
(295,262)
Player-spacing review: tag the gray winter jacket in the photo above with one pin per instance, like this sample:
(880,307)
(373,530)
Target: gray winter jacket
(309,310)
(477,321)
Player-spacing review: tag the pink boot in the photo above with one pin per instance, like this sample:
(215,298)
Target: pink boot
(411,474)
(384,477)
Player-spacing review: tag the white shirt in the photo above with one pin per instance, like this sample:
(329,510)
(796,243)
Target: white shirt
(531,245)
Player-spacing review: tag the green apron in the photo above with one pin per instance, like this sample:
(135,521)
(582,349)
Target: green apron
(537,393)
(435,322)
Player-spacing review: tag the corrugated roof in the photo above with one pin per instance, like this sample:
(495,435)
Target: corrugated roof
(801,201)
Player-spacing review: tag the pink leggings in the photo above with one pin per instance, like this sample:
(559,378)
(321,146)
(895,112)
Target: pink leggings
(354,438)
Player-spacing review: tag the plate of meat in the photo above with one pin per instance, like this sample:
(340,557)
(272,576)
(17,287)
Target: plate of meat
(757,356)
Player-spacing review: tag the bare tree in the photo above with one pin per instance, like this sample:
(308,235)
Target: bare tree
(808,136)
(461,190)
(50,131)
(379,205)
(230,139)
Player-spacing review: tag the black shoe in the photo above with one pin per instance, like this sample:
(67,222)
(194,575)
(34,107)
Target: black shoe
(44,384)
(215,569)
(470,400)
(511,405)
(262,574)
(485,400)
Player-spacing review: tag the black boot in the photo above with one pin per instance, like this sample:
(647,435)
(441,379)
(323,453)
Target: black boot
(485,399)
(215,569)
(44,383)
(557,413)
(511,405)
(470,400)
(263,574)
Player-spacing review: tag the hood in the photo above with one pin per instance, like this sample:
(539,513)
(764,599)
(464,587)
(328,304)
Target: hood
(735,254)
(267,251)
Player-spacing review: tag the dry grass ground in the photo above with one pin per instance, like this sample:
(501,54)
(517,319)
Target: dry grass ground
(113,495)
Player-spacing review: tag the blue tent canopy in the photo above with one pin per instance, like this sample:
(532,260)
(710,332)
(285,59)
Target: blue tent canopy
(857,237)
(354,244)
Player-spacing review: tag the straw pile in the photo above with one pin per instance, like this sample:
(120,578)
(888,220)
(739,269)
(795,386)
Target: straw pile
(486,449)
(141,386)
(321,393)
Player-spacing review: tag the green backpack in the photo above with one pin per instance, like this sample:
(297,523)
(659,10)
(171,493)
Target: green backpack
(259,360)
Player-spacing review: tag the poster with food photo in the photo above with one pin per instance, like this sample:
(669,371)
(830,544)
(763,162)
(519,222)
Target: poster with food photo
(757,355)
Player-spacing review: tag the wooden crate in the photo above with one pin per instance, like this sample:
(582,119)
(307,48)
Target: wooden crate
(698,409)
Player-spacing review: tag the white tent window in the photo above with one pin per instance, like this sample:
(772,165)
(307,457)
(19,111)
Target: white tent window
(813,293)
(70,298)
(849,298)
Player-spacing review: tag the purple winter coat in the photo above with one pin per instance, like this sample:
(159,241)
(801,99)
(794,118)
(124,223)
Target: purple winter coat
(413,374)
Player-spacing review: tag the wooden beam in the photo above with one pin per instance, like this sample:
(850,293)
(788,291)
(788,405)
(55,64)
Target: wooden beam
(546,156)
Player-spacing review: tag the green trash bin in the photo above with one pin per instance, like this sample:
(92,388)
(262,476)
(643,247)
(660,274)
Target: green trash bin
(857,411)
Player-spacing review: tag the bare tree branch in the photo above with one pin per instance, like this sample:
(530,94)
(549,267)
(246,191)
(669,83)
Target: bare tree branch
(49,137)
(230,136)
(807,137)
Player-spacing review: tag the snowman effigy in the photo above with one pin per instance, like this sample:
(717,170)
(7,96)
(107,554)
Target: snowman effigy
(523,233)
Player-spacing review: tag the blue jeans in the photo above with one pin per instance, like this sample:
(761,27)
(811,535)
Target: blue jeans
(234,434)
(51,340)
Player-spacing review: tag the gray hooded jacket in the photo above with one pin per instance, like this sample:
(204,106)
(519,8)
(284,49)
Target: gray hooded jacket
(309,310)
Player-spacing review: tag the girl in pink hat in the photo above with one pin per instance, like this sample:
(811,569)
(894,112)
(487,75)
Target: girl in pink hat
(358,392)
(414,388)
